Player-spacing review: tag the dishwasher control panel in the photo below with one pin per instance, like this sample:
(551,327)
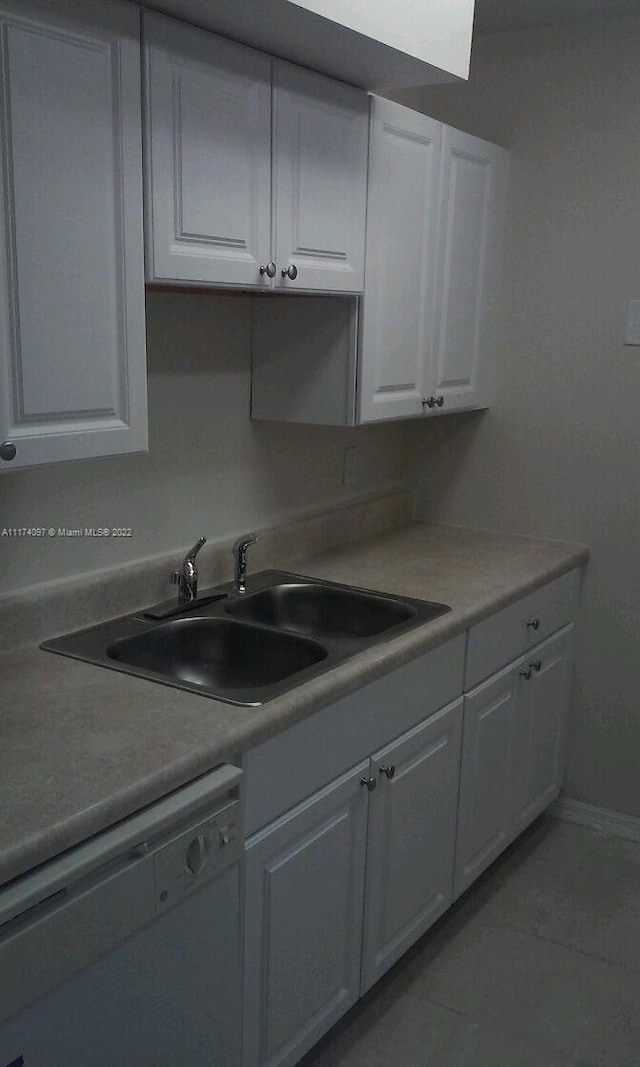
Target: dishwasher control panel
(190,859)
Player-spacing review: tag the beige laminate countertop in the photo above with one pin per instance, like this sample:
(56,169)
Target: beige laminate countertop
(82,747)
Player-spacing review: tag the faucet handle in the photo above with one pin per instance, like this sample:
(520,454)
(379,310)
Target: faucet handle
(243,542)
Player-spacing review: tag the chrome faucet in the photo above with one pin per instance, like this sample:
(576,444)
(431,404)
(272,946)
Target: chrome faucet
(187,577)
(240,553)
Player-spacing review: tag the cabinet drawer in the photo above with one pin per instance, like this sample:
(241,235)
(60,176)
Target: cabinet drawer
(509,633)
(289,767)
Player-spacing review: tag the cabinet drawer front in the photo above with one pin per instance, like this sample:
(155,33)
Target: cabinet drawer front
(509,633)
(287,768)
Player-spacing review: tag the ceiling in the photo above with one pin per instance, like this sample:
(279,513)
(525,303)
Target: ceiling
(492,16)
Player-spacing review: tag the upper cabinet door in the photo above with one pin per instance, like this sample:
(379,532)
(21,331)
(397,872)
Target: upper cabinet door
(72,339)
(398,305)
(208,142)
(472,202)
(320,181)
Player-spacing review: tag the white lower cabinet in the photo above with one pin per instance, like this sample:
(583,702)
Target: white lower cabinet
(513,753)
(541,736)
(410,839)
(303,926)
(351,857)
(378,842)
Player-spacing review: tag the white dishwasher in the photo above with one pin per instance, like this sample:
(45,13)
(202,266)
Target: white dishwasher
(125,951)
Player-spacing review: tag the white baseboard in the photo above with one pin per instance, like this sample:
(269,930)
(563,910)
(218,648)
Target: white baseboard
(609,822)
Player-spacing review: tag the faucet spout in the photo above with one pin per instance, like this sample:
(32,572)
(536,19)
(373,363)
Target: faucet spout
(240,554)
(187,577)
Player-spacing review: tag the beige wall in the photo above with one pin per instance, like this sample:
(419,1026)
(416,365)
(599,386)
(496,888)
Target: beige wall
(210,469)
(559,454)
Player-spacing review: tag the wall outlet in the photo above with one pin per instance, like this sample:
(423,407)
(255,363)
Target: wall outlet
(632,333)
(349,466)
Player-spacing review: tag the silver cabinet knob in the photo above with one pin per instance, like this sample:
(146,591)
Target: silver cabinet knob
(269,270)
(534,624)
(370,783)
(536,665)
(389,770)
(290,272)
(430,402)
(8,451)
(526,673)
(440,401)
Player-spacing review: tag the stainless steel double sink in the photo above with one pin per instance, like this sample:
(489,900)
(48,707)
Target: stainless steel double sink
(246,648)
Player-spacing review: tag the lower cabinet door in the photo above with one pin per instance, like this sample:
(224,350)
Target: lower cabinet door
(411,838)
(542,726)
(303,922)
(487,773)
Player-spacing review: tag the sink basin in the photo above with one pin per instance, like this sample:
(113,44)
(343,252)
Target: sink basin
(218,654)
(247,648)
(321,610)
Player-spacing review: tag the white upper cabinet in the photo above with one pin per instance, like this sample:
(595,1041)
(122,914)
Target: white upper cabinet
(72,335)
(435,208)
(397,314)
(424,343)
(222,209)
(320,181)
(208,139)
(473,190)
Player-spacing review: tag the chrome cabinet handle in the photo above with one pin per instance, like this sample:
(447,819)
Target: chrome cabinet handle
(534,624)
(269,270)
(8,451)
(430,402)
(526,673)
(536,665)
(440,401)
(370,783)
(389,770)
(290,272)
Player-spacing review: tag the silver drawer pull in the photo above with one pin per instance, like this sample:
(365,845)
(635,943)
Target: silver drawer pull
(370,783)
(534,624)
(389,770)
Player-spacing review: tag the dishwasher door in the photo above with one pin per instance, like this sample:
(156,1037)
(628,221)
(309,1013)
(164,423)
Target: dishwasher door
(137,962)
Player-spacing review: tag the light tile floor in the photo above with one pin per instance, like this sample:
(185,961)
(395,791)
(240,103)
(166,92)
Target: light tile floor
(537,965)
